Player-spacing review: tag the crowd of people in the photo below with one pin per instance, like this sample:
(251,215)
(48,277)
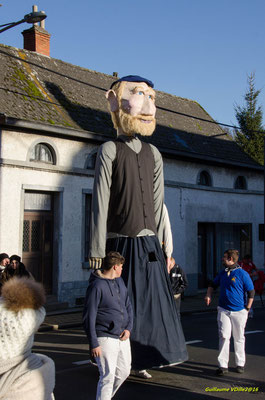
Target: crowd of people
(11,267)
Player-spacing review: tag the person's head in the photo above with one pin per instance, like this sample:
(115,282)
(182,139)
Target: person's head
(4,259)
(15,261)
(230,257)
(132,105)
(113,261)
(246,258)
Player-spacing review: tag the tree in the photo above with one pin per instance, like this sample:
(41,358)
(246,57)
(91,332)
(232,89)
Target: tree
(250,137)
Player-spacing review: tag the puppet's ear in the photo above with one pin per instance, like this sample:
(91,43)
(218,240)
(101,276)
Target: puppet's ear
(113,101)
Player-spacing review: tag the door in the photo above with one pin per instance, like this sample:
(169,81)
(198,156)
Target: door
(213,240)
(38,239)
(206,254)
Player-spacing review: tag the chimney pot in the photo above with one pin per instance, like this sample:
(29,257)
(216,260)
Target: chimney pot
(37,38)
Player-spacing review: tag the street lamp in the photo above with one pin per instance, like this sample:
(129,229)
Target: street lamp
(31,18)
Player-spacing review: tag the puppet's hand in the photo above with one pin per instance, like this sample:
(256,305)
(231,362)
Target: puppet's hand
(95,262)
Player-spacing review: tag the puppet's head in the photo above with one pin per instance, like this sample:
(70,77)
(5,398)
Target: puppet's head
(132,105)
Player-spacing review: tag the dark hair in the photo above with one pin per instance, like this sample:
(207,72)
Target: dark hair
(232,253)
(247,257)
(3,256)
(15,257)
(111,259)
(20,271)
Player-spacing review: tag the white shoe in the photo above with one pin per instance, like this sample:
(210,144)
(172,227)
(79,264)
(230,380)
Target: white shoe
(143,374)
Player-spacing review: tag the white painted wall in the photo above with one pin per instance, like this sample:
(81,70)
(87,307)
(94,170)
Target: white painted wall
(71,153)
(187,172)
(189,205)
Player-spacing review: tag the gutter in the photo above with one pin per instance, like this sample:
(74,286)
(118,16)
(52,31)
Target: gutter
(82,135)
(182,155)
(51,130)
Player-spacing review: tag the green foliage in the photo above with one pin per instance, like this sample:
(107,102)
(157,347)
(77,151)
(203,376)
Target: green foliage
(250,137)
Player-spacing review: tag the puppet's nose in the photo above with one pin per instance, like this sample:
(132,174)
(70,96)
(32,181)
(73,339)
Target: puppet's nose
(148,107)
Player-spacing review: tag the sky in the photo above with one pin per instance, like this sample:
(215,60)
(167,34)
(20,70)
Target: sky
(201,50)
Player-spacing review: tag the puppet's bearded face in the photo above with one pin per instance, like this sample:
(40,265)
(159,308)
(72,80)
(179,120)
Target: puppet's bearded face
(136,113)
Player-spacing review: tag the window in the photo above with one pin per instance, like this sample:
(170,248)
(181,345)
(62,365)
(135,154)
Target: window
(204,179)
(91,159)
(42,153)
(34,201)
(261,232)
(241,183)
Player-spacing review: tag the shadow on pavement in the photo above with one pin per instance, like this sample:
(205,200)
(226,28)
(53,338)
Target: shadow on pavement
(81,385)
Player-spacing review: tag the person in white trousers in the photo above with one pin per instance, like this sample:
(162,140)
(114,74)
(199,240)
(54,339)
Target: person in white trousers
(114,365)
(235,300)
(108,321)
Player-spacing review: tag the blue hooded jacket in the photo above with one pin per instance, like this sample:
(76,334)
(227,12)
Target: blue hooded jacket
(108,310)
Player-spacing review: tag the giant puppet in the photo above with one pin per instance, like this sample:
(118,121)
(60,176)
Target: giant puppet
(127,209)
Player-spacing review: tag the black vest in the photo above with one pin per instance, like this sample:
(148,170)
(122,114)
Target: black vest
(131,205)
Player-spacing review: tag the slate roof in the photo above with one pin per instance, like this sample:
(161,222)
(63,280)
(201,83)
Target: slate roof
(37,88)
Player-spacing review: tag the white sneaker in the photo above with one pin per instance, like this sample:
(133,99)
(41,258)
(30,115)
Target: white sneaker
(143,374)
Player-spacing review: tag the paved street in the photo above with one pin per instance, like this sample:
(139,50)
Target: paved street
(194,379)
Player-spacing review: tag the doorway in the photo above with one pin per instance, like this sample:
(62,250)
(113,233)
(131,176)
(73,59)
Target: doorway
(206,254)
(213,240)
(38,232)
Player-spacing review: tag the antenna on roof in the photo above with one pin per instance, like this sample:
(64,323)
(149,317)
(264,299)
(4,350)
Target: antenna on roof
(35,9)
(42,23)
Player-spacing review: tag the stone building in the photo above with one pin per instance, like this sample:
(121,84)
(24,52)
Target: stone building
(54,116)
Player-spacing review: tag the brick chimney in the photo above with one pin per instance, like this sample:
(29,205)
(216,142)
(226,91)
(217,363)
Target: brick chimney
(37,38)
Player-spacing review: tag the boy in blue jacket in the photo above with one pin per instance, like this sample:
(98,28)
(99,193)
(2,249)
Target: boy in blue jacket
(108,321)
(235,300)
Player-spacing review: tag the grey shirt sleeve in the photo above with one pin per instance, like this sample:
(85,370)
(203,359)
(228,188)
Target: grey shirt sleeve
(100,199)
(167,233)
(158,192)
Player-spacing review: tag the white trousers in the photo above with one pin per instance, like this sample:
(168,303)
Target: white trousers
(114,366)
(231,322)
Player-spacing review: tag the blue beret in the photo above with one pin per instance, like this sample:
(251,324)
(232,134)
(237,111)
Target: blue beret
(133,78)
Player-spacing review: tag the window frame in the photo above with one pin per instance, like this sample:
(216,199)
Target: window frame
(241,179)
(90,163)
(51,148)
(86,226)
(205,174)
